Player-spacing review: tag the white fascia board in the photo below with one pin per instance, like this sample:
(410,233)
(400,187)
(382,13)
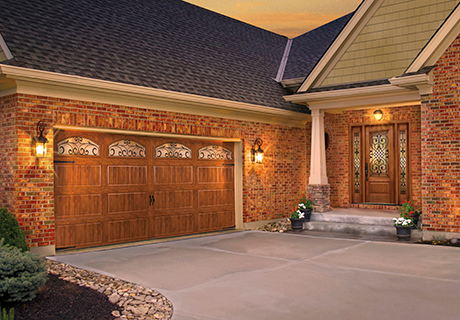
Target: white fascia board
(341,44)
(29,81)
(358,98)
(439,43)
(5,48)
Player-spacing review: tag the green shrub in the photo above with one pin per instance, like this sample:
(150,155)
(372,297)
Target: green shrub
(11,231)
(21,274)
(6,316)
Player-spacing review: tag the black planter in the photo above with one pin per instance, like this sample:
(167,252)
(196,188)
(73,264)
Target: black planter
(415,218)
(307,214)
(296,224)
(403,233)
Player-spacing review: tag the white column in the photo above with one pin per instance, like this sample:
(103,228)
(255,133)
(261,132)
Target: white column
(318,173)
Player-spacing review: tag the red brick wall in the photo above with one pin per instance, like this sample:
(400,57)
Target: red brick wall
(337,155)
(8,150)
(270,189)
(441,145)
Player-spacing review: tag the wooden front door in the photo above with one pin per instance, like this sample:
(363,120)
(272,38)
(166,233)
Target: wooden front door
(379,161)
(379,164)
(112,188)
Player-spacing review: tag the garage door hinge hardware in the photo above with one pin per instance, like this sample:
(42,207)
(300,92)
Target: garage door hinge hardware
(58,161)
(228,164)
(152,200)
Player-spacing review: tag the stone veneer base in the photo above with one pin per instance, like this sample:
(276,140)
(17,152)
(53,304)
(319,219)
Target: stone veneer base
(320,195)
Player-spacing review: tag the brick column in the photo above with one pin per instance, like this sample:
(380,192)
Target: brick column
(320,195)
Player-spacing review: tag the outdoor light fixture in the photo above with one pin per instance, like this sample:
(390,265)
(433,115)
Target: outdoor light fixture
(39,143)
(378,114)
(257,155)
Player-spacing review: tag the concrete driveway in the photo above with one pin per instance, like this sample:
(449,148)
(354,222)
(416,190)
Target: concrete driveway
(256,275)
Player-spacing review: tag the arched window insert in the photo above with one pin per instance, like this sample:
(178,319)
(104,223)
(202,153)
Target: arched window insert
(78,146)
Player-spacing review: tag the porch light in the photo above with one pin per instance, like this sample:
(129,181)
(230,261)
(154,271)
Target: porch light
(257,155)
(39,143)
(378,114)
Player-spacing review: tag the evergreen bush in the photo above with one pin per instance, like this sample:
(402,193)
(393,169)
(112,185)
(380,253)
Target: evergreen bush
(6,315)
(11,231)
(21,274)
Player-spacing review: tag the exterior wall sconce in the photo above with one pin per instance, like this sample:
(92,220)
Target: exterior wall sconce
(39,143)
(257,155)
(378,114)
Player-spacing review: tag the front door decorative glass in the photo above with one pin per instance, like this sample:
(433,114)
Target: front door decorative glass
(378,153)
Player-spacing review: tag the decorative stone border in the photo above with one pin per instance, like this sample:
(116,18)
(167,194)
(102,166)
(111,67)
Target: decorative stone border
(278,226)
(139,303)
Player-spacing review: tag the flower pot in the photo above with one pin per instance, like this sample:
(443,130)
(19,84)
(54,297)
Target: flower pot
(415,219)
(296,224)
(307,214)
(403,233)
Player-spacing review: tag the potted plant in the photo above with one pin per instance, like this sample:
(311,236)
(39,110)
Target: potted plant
(408,212)
(403,228)
(306,206)
(297,220)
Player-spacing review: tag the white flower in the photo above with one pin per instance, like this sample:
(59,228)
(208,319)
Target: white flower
(301,215)
(302,206)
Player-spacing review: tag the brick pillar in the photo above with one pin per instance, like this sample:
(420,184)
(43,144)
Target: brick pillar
(320,195)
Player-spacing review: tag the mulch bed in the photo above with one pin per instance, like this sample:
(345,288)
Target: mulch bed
(59,300)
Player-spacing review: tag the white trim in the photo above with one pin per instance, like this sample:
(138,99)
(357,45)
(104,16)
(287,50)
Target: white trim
(239,165)
(442,39)
(341,44)
(43,83)
(5,48)
(423,82)
(284,61)
(364,97)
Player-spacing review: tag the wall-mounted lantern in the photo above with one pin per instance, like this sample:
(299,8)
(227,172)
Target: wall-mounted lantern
(378,114)
(257,155)
(39,143)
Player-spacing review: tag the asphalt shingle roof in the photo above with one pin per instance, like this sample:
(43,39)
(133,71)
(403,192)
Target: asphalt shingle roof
(163,44)
(308,48)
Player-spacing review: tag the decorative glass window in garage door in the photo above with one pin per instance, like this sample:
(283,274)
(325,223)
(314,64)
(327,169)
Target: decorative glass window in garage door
(126,148)
(214,152)
(173,150)
(78,146)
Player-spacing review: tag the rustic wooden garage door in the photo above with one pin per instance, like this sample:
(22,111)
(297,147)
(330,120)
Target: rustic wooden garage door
(112,188)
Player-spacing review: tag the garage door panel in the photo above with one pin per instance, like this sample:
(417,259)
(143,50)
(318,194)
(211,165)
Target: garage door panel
(78,205)
(129,229)
(127,202)
(215,174)
(127,192)
(78,235)
(215,197)
(173,175)
(173,199)
(215,220)
(78,175)
(176,224)
(126,175)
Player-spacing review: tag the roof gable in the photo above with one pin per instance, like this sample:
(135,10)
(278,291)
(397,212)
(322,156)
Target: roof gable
(381,41)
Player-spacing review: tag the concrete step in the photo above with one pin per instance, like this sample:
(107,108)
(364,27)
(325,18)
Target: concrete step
(355,225)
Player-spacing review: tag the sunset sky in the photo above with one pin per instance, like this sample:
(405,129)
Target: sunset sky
(287,17)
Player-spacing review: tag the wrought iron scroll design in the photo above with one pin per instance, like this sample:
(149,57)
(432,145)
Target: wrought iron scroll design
(357,161)
(379,153)
(214,152)
(403,161)
(78,146)
(126,148)
(173,150)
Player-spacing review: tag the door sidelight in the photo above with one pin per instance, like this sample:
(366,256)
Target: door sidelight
(366,169)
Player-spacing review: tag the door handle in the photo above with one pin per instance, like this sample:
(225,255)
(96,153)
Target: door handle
(152,199)
(366,169)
